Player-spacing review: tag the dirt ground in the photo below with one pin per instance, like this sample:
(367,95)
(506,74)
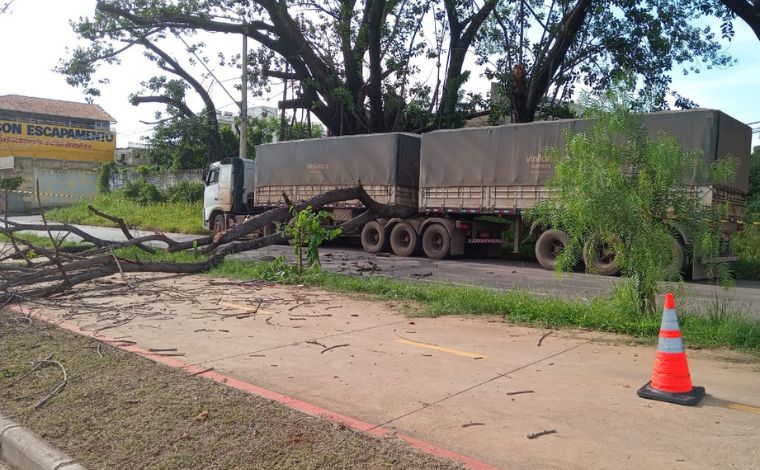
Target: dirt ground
(119,410)
(476,386)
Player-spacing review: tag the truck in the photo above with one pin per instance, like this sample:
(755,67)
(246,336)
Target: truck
(470,187)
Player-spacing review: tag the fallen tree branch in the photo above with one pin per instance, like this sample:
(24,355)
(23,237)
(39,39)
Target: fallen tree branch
(122,225)
(57,389)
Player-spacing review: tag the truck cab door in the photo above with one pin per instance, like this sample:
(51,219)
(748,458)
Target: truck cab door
(211,194)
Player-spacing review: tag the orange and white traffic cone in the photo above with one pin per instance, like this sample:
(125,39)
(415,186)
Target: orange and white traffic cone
(671,380)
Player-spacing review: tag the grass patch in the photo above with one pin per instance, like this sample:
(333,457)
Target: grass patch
(36,240)
(123,411)
(720,328)
(180,217)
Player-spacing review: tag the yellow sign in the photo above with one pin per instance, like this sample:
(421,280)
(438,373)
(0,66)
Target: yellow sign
(23,139)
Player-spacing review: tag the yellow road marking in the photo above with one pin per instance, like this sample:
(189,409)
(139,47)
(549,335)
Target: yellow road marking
(247,308)
(441,348)
(745,408)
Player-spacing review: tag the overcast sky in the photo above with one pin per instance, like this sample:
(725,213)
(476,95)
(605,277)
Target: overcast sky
(35,34)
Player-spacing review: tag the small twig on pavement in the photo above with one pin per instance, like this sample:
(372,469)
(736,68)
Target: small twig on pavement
(310,316)
(317,343)
(542,433)
(544,336)
(201,372)
(57,389)
(162,349)
(467,425)
(520,392)
(333,347)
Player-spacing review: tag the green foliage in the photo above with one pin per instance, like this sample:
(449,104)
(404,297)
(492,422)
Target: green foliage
(745,244)
(616,184)
(11,182)
(103,182)
(185,191)
(306,229)
(753,195)
(719,328)
(163,216)
(140,191)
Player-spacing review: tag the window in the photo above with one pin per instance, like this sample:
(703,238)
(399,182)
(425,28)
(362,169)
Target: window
(213,177)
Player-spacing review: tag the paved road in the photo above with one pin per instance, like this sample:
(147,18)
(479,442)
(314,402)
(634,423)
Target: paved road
(515,274)
(476,386)
(500,274)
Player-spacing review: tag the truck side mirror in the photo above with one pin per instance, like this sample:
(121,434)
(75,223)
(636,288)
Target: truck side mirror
(205,176)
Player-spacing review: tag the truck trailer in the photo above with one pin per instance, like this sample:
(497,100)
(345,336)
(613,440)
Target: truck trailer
(470,187)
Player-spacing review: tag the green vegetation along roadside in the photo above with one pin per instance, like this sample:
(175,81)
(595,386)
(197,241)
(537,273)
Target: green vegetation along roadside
(177,217)
(718,328)
(120,410)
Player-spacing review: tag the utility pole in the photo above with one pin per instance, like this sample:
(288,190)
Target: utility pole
(244,102)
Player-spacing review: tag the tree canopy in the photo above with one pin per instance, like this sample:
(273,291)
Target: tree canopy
(362,66)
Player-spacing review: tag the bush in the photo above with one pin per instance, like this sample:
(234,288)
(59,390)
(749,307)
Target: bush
(11,183)
(186,191)
(104,178)
(141,191)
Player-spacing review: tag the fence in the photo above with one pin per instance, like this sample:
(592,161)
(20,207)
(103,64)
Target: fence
(161,181)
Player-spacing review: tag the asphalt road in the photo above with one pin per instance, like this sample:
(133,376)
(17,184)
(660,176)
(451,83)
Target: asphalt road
(744,298)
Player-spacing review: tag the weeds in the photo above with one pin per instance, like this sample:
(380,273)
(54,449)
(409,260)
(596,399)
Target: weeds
(719,328)
(179,217)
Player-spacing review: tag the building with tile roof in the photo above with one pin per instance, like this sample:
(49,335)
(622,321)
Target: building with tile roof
(46,110)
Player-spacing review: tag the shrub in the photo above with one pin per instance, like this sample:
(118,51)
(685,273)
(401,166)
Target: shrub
(185,191)
(11,182)
(141,191)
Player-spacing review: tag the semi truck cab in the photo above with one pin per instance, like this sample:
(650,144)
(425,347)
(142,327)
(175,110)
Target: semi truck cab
(229,192)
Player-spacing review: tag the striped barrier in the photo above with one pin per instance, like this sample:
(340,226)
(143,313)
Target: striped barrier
(32,193)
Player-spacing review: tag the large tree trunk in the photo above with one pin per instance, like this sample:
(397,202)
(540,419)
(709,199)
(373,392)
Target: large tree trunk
(65,269)
(528,92)
(747,11)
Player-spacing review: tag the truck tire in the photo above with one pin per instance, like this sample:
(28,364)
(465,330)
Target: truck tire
(678,258)
(404,239)
(599,257)
(219,223)
(548,246)
(436,242)
(374,239)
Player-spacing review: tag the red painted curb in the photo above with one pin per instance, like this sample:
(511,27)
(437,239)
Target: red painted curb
(302,406)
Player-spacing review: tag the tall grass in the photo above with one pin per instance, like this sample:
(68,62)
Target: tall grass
(163,216)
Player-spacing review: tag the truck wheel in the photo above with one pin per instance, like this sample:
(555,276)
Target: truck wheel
(219,223)
(678,258)
(548,246)
(373,237)
(404,239)
(599,257)
(436,242)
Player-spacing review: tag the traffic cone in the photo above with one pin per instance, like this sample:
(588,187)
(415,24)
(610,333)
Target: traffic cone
(671,381)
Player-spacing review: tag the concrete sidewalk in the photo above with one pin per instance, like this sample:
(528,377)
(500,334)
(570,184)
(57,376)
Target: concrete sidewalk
(450,381)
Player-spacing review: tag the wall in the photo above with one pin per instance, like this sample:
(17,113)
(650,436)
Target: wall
(61,182)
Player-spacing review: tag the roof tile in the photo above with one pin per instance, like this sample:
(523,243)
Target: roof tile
(30,104)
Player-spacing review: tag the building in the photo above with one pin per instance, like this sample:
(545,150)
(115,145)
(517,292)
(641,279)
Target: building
(58,144)
(131,155)
(228,118)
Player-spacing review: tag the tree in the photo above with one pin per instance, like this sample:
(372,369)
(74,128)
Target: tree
(747,10)
(617,188)
(109,38)
(324,45)
(539,51)
(5,6)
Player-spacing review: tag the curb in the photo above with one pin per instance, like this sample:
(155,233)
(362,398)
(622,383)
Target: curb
(21,449)
(292,403)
